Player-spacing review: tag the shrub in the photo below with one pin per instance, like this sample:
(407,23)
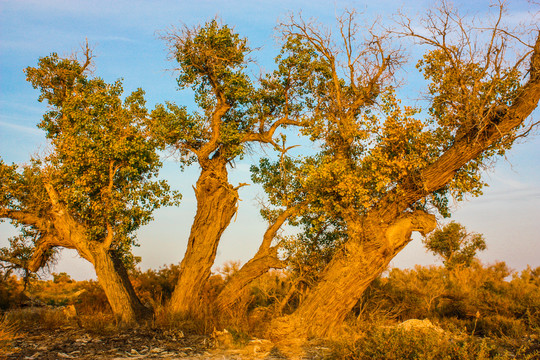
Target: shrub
(397,344)
(481,296)
(155,287)
(10,290)
(8,333)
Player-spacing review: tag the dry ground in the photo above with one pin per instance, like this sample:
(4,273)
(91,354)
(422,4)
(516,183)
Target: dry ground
(70,342)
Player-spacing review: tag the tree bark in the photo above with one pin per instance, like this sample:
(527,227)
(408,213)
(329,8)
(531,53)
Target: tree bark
(253,269)
(65,231)
(367,253)
(265,259)
(114,280)
(216,205)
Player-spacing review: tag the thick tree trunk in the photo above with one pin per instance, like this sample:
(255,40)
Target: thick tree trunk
(253,269)
(367,253)
(60,229)
(114,280)
(216,205)
(265,259)
(110,271)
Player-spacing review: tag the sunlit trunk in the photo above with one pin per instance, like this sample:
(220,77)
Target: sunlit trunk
(365,256)
(216,205)
(114,280)
(265,259)
(253,269)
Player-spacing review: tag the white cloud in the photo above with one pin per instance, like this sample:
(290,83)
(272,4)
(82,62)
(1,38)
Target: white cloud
(21,128)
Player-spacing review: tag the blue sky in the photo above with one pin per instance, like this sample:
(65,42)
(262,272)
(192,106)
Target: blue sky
(126,45)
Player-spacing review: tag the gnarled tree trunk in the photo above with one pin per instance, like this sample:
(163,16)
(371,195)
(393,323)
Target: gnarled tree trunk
(62,230)
(367,253)
(114,280)
(216,205)
(110,271)
(265,259)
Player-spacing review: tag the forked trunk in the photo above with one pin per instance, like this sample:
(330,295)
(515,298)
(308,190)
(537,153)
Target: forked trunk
(265,259)
(114,280)
(253,269)
(363,258)
(216,205)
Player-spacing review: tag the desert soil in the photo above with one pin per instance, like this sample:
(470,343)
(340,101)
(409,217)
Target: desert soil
(75,343)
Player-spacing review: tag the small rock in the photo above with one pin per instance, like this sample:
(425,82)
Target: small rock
(69,311)
(421,325)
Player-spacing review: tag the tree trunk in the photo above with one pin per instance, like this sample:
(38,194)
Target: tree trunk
(370,248)
(114,280)
(265,259)
(363,258)
(60,229)
(253,269)
(216,205)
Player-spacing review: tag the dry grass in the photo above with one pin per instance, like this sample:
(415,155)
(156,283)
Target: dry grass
(42,317)
(9,331)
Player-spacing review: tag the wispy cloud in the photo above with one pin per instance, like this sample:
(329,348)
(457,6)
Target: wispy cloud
(22,128)
(116,38)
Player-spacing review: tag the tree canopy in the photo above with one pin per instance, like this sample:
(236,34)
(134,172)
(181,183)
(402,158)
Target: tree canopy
(96,184)
(455,245)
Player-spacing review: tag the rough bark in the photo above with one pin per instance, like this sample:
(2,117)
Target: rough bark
(467,147)
(114,280)
(265,259)
(216,205)
(367,253)
(60,229)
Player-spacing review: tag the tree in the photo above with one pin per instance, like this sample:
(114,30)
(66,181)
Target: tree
(234,111)
(96,185)
(454,245)
(385,169)
(18,256)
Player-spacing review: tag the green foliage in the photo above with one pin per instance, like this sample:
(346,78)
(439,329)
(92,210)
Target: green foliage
(212,62)
(101,163)
(214,56)
(234,108)
(480,299)
(375,153)
(394,343)
(454,245)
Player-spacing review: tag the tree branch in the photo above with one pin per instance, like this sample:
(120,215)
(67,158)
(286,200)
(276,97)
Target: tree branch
(24,218)
(267,136)
(265,259)
(442,171)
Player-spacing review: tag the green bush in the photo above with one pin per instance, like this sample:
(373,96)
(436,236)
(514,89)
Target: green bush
(483,296)
(397,344)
